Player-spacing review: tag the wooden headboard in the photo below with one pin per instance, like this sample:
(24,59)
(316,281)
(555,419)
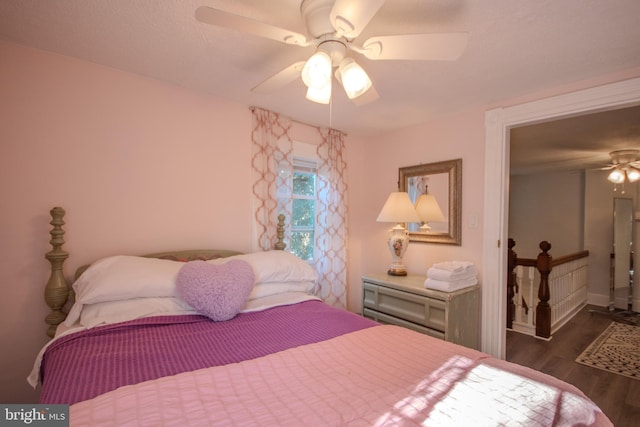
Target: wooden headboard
(57,292)
(184,256)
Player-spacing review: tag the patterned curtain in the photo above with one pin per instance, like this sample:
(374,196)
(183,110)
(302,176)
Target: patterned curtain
(331,219)
(272,173)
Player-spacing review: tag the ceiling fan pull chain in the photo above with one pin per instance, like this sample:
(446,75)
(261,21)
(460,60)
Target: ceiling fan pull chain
(331,113)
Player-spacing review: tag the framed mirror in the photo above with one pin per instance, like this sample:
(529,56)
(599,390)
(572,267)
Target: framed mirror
(436,191)
(622,275)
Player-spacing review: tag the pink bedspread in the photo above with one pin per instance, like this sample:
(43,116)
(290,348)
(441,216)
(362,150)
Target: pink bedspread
(385,375)
(86,364)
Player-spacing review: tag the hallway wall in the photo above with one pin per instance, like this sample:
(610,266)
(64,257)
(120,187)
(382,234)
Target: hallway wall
(573,211)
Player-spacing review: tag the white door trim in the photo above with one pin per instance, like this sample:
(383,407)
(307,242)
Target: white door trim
(498,123)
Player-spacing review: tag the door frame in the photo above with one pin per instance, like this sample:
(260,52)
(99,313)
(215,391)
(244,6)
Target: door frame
(498,124)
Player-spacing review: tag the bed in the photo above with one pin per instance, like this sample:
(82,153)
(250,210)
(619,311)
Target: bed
(167,339)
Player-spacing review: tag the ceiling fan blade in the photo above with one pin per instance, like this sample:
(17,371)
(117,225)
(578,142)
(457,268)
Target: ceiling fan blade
(280,79)
(429,47)
(349,17)
(212,16)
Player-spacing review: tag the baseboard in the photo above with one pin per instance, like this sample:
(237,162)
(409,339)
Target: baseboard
(568,316)
(620,302)
(598,299)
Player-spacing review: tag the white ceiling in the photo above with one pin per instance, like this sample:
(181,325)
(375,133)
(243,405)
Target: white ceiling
(515,47)
(576,143)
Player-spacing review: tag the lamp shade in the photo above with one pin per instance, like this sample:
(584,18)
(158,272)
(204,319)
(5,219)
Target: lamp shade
(320,95)
(398,208)
(616,176)
(428,209)
(633,174)
(354,79)
(316,72)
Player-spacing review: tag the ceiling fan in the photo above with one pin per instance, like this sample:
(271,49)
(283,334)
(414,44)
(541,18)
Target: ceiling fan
(333,27)
(625,165)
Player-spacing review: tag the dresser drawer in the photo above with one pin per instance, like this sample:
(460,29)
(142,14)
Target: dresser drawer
(418,309)
(390,320)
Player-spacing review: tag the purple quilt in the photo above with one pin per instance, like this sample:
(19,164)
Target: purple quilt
(86,364)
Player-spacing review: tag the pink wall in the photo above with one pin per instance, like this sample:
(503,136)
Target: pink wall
(437,140)
(458,135)
(139,165)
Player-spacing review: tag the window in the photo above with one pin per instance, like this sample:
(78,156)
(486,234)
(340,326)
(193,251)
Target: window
(303,209)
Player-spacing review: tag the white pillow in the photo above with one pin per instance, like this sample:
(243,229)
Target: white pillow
(287,298)
(124,277)
(275,266)
(106,313)
(261,290)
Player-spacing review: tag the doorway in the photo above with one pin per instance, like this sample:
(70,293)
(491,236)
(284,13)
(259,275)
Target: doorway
(498,123)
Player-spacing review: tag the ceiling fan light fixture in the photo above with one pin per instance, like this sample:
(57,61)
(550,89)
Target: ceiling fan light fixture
(321,95)
(333,26)
(353,77)
(317,71)
(625,163)
(616,176)
(633,174)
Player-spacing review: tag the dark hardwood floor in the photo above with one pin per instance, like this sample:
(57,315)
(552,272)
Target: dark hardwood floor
(616,395)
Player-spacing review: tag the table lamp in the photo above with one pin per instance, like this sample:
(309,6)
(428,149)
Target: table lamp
(399,209)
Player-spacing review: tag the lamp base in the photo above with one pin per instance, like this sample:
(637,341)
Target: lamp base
(398,242)
(396,272)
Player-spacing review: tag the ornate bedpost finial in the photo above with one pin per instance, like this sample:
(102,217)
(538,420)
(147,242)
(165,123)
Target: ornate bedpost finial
(280,245)
(56,292)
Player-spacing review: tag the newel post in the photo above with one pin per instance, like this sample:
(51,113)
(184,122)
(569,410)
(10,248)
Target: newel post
(511,282)
(56,292)
(543,310)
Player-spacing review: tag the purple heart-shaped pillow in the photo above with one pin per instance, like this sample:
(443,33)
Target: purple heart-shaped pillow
(218,291)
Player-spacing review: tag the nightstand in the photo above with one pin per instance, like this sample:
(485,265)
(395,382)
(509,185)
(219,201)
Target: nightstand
(404,301)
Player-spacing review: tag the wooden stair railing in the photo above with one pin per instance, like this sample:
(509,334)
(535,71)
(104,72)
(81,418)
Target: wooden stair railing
(512,258)
(544,263)
(512,284)
(543,309)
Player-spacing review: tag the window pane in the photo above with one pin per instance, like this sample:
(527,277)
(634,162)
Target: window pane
(304,184)
(303,213)
(302,244)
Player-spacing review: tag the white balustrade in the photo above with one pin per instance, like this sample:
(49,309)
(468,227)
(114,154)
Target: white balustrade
(568,288)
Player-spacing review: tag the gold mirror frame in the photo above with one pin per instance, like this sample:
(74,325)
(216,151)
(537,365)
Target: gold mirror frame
(453,169)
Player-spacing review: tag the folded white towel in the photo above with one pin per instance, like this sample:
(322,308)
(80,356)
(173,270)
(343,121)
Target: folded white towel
(446,275)
(442,285)
(454,266)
